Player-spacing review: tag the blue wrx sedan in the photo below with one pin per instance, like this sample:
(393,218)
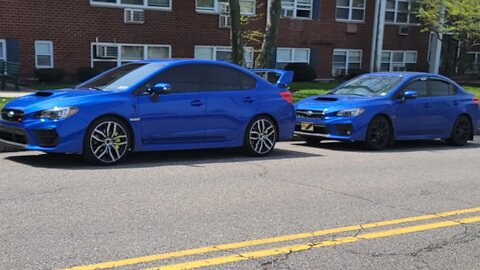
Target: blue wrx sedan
(379,108)
(154,105)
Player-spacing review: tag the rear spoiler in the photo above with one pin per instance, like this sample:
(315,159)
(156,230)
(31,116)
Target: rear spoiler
(279,78)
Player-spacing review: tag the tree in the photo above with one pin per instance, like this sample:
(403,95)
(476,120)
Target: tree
(455,20)
(238,35)
(270,35)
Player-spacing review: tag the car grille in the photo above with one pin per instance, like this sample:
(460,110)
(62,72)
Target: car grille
(16,135)
(310,114)
(12,115)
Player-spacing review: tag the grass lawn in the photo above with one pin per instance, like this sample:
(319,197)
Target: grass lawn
(3,101)
(306,89)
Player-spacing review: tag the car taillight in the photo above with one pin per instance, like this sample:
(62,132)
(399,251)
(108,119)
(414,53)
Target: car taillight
(287,96)
(475,100)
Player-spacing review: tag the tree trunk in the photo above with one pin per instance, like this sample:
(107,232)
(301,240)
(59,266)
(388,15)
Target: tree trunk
(236,33)
(271,34)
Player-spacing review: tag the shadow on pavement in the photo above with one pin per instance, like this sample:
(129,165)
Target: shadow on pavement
(153,159)
(400,146)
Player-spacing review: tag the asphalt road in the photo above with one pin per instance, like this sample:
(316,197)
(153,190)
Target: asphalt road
(56,212)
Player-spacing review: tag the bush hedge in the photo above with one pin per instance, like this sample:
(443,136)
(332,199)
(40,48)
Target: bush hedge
(86,73)
(50,74)
(302,72)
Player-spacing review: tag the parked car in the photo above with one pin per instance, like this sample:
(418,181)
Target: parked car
(379,108)
(150,106)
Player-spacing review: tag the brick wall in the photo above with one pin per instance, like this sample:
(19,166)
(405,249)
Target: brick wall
(73,25)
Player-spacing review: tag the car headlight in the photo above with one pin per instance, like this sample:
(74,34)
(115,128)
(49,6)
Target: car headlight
(57,113)
(351,112)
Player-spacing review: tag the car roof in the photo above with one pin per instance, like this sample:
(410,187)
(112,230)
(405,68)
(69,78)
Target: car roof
(167,62)
(406,74)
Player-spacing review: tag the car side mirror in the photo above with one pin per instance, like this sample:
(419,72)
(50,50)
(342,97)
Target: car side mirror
(162,88)
(409,94)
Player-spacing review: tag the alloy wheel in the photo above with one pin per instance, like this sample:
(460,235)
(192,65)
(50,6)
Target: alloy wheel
(108,142)
(262,136)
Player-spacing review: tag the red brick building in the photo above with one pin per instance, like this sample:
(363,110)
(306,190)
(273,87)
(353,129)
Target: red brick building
(334,36)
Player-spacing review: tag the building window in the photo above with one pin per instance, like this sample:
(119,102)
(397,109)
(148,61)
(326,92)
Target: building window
(247,7)
(350,10)
(300,9)
(110,55)
(399,61)
(472,64)
(3,50)
(43,54)
(346,61)
(148,4)
(292,55)
(222,54)
(402,11)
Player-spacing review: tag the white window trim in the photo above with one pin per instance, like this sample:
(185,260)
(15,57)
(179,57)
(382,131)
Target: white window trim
(392,64)
(224,48)
(216,6)
(347,59)
(350,12)
(295,8)
(50,43)
(476,61)
(118,4)
(119,59)
(292,58)
(395,16)
(4,49)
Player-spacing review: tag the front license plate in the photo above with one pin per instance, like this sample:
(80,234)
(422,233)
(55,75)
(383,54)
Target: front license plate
(306,126)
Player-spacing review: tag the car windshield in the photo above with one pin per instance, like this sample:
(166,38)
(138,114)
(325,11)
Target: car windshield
(122,78)
(369,86)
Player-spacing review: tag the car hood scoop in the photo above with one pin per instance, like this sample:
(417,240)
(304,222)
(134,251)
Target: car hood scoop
(43,94)
(326,99)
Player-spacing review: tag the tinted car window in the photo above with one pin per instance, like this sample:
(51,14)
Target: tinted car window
(418,86)
(221,78)
(439,88)
(183,79)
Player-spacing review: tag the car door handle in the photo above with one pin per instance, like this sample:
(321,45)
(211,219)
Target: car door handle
(427,105)
(248,100)
(455,102)
(196,103)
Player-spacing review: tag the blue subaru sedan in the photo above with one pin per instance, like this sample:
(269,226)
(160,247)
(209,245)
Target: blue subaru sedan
(379,108)
(154,105)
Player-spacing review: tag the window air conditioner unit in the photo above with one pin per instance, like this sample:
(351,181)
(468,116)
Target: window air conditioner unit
(403,30)
(224,21)
(105,51)
(223,8)
(136,16)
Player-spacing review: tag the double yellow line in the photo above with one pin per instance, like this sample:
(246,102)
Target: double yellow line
(291,248)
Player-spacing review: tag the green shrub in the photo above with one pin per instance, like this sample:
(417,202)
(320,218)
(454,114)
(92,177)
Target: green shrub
(302,72)
(86,73)
(352,73)
(50,74)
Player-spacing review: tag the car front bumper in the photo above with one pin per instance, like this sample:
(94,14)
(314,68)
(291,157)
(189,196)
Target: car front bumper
(333,128)
(63,136)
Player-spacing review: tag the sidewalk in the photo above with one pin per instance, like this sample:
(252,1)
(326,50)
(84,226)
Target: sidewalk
(10,92)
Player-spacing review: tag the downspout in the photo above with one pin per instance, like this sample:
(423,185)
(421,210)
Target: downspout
(378,35)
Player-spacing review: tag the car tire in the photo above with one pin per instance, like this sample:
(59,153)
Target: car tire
(378,133)
(260,136)
(461,131)
(107,141)
(311,140)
